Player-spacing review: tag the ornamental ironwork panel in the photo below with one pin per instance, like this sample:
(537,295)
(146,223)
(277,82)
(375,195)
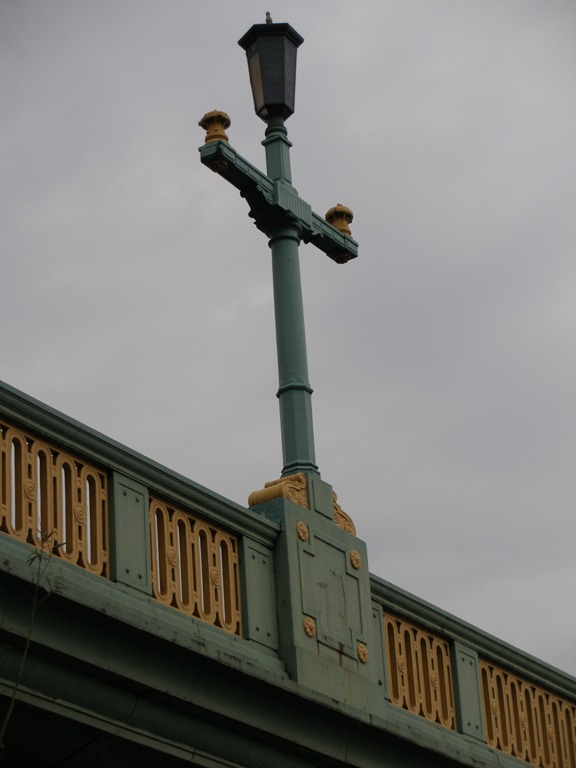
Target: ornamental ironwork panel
(526,721)
(195,567)
(419,671)
(53,500)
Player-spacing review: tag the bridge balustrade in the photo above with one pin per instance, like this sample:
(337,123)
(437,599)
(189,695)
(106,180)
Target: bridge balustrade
(53,500)
(419,671)
(68,507)
(195,566)
(527,721)
(442,669)
(78,497)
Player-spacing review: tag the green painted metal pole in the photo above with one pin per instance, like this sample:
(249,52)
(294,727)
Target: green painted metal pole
(295,392)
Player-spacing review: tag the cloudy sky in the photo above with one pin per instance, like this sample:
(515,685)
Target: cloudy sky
(136,292)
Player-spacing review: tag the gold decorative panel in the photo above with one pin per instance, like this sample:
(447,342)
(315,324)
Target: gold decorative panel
(49,496)
(527,721)
(195,567)
(341,518)
(419,671)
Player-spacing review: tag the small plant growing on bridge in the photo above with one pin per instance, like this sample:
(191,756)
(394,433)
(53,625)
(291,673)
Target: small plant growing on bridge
(39,560)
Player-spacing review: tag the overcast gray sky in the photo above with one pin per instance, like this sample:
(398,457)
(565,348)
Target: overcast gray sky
(136,292)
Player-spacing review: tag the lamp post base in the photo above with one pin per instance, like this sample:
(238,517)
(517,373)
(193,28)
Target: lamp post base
(309,492)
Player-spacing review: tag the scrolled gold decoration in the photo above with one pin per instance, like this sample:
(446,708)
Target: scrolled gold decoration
(172,556)
(310,627)
(291,487)
(355,559)
(29,490)
(302,531)
(215,577)
(79,514)
(341,519)
(362,652)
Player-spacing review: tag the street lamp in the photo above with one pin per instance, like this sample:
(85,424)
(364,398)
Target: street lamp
(286,219)
(271,52)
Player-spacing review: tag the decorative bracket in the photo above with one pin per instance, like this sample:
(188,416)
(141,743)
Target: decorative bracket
(291,487)
(295,488)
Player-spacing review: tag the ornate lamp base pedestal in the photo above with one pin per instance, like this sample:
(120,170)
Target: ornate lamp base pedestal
(326,625)
(309,492)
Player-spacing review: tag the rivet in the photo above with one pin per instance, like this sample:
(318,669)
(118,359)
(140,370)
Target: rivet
(362,652)
(302,531)
(355,560)
(309,626)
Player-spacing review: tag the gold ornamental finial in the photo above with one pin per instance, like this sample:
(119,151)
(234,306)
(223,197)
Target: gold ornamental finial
(340,217)
(215,124)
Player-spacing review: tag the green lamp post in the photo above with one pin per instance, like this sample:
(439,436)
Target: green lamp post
(285,218)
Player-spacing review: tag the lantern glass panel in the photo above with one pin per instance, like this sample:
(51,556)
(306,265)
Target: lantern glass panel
(255,71)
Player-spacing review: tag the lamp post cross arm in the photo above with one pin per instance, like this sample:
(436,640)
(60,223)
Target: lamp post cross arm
(271,200)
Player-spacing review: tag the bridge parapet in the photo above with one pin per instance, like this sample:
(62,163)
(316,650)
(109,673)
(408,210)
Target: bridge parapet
(81,499)
(278,592)
(451,673)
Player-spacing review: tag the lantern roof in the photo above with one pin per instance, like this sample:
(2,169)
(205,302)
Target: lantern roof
(258,30)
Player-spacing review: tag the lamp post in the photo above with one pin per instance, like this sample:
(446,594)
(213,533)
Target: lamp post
(285,218)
